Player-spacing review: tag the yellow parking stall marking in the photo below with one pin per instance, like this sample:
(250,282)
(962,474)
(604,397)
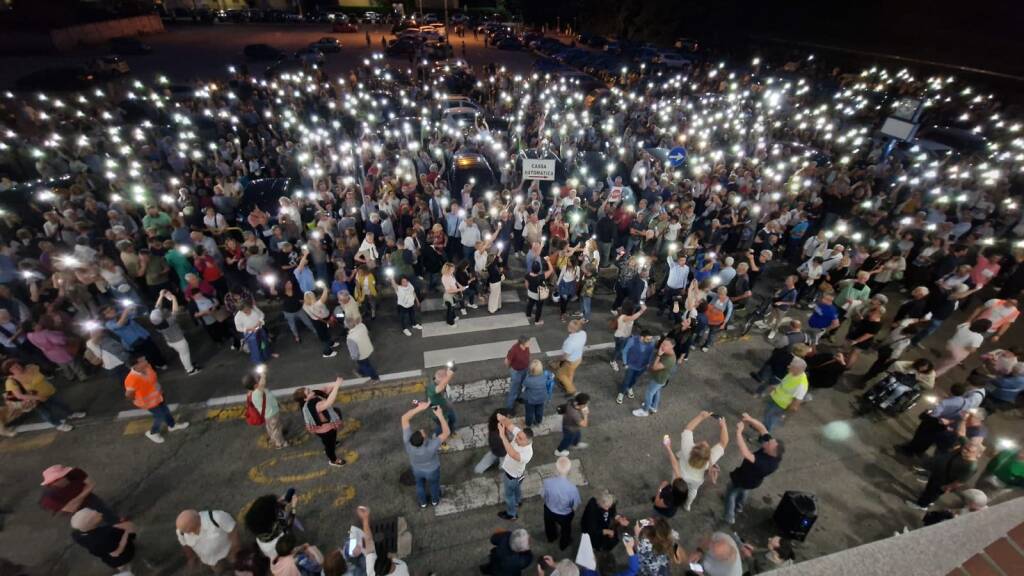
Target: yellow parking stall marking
(348,428)
(259,473)
(226,414)
(382,392)
(27,443)
(139,426)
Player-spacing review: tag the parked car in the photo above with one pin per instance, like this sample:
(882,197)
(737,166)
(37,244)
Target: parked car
(310,55)
(672,60)
(509,43)
(326,45)
(110,66)
(344,27)
(592,40)
(401,47)
(62,79)
(129,45)
(469,167)
(262,52)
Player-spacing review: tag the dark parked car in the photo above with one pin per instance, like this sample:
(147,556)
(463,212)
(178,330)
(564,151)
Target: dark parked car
(592,40)
(401,47)
(63,79)
(327,45)
(262,52)
(470,167)
(509,43)
(129,45)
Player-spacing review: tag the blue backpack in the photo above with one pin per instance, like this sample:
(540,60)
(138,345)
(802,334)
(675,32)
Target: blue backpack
(549,383)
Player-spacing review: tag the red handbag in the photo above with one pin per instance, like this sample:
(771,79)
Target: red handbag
(253,416)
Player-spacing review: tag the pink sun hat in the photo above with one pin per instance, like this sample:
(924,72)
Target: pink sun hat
(54,473)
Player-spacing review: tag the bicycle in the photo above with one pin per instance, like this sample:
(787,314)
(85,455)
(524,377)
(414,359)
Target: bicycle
(758,313)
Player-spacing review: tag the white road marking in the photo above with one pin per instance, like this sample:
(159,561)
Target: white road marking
(487,490)
(479,389)
(348,383)
(37,427)
(475,324)
(437,304)
(474,353)
(590,348)
(138,413)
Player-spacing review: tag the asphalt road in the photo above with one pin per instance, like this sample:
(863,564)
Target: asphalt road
(220,462)
(189,51)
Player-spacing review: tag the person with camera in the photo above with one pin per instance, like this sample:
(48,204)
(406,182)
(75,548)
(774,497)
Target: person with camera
(423,452)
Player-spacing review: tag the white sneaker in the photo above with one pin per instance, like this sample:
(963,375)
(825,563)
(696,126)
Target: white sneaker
(630,394)
(641,413)
(418,326)
(614,365)
(65,427)
(618,398)
(331,355)
(178,426)
(76,416)
(473,306)
(561,453)
(407,332)
(155,437)
(772,334)
(464,312)
(582,445)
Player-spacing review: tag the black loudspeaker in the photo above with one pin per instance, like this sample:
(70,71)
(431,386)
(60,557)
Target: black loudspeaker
(795,514)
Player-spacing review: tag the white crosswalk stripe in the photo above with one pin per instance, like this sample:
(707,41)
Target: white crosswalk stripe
(487,490)
(475,324)
(479,389)
(437,304)
(473,353)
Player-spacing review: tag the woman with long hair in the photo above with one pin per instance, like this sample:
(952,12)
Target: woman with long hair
(452,293)
(316,308)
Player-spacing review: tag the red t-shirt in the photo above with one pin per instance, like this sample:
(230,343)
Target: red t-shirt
(55,498)
(518,359)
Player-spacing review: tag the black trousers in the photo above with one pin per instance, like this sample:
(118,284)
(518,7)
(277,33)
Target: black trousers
(927,433)
(558,526)
(532,305)
(330,440)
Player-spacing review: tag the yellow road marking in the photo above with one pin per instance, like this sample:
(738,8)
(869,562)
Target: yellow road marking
(137,426)
(344,495)
(260,472)
(237,412)
(349,427)
(27,443)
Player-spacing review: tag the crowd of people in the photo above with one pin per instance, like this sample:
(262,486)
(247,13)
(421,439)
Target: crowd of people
(142,211)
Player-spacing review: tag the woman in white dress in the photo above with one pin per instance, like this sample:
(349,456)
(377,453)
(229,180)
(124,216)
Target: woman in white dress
(696,459)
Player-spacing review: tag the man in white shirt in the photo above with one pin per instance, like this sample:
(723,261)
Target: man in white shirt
(470,236)
(518,453)
(208,537)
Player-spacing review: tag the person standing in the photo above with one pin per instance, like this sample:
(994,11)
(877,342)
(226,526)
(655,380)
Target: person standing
(142,388)
(316,308)
(360,348)
(377,565)
(575,417)
(561,498)
(67,490)
(167,326)
(108,352)
(249,322)
(423,453)
(209,538)
(518,445)
(405,294)
(112,542)
(786,397)
(496,449)
(662,368)
(824,317)
(756,466)
(537,389)
(265,403)
(518,361)
(602,523)
(322,418)
(699,460)
(134,337)
(628,314)
(572,356)
(437,395)
(968,337)
(637,355)
(950,470)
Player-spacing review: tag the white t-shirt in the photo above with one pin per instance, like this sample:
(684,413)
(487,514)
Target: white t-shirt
(964,338)
(246,322)
(690,474)
(406,295)
(516,468)
(400,568)
(213,543)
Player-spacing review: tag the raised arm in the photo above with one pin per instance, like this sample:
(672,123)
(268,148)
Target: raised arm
(677,471)
(331,396)
(692,424)
(754,423)
(445,430)
(409,414)
(742,443)
(723,433)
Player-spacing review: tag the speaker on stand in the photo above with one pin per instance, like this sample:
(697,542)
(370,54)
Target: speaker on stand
(796,514)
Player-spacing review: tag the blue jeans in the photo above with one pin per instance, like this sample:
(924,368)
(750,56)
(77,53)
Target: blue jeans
(258,345)
(772,414)
(534,414)
(620,343)
(585,302)
(450,416)
(513,494)
(629,380)
(711,333)
(161,415)
(927,331)
(652,396)
(293,319)
(422,480)
(515,387)
(53,411)
(570,438)
(467,252)
(365,368)
(734,499)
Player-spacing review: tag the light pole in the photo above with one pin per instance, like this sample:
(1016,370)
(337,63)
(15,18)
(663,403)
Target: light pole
(447,33)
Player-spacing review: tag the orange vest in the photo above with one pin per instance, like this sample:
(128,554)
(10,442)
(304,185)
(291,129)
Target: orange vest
(147,390)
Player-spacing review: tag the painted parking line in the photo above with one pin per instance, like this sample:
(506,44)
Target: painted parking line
(264,472)
(471,437)
(486,491)
(437,304)
(476,324)
(36,427)
(473,353)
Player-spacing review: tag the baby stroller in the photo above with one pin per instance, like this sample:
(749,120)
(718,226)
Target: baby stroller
(894,394)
